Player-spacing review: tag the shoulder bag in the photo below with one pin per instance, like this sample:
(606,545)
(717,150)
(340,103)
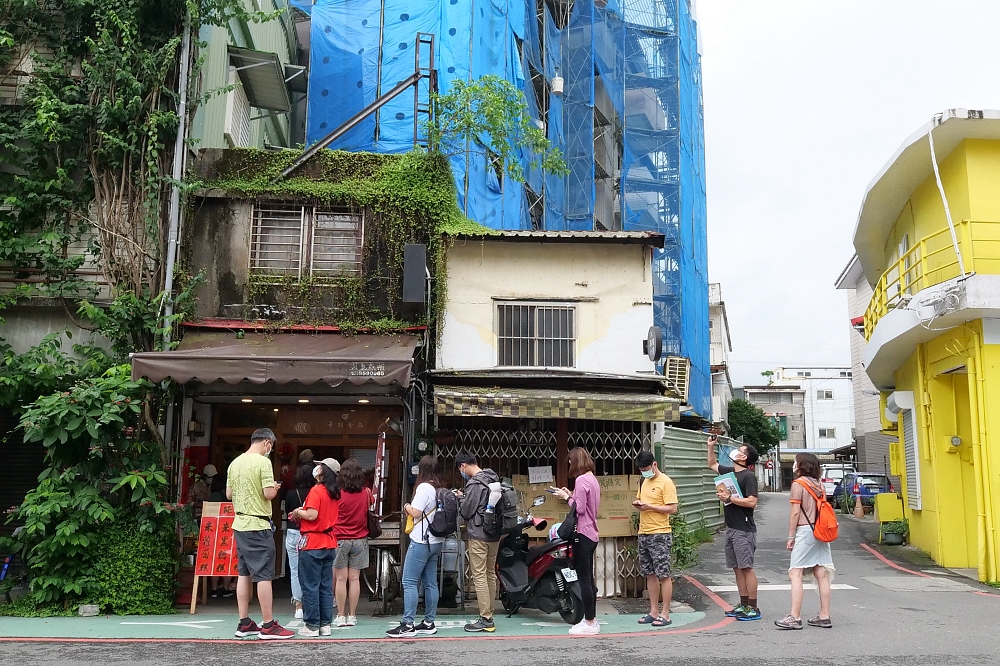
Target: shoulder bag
(375,522)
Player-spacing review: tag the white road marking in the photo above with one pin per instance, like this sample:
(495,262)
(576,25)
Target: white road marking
(779,588)
(197,624)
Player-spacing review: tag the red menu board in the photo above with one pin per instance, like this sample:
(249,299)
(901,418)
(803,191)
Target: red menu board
(216,541)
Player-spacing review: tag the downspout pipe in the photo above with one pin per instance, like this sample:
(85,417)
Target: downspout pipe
(987,565)
(177,173)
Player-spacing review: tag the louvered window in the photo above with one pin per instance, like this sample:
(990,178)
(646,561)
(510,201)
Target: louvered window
(536,335)
(301,241)
(237,122)
(911,453)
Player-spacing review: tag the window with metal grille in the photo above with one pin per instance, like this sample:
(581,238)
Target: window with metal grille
(301,241)
(824,394)
(536,335)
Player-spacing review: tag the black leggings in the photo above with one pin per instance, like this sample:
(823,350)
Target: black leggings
(583,558)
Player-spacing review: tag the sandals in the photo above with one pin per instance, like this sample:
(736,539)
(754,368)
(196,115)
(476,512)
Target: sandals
(647,619)
(662,622)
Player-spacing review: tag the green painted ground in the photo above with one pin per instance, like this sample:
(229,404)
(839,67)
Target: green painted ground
(221,626)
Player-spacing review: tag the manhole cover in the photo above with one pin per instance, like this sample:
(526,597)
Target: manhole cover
(916,584)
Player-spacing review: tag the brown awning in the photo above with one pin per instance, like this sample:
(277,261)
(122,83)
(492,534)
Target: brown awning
(282,358)
(550,404)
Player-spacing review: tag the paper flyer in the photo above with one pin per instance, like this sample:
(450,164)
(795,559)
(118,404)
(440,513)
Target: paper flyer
(728,482)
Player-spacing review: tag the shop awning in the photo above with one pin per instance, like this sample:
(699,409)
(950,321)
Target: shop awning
(282,358)
(553,404)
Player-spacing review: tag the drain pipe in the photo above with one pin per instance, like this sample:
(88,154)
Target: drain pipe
(177,173)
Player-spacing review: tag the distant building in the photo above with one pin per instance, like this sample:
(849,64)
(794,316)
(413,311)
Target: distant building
(872,445)
(829,404)
(785,406)
(720,346)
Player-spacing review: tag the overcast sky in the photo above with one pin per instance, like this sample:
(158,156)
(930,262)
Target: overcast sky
(805,101)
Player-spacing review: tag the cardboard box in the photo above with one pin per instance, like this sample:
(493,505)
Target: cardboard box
(615,527)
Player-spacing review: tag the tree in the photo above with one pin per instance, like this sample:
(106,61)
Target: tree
(769,376)
(748,421)
(490,115)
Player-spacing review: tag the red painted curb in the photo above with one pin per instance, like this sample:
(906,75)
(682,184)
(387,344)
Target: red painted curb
(892,564)
(244,641)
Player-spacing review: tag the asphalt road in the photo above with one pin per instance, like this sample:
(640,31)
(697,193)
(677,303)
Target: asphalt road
(892,618)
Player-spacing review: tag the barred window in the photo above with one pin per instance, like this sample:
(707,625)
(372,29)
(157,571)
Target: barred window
(536,335)
(301,241)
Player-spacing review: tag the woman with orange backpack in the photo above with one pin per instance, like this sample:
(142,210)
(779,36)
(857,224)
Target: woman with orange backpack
(809,537)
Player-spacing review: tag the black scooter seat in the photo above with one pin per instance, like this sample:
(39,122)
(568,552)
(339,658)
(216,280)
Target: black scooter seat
(537,551)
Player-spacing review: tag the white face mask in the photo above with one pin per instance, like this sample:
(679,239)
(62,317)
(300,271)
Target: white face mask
(317,472)
(735,455)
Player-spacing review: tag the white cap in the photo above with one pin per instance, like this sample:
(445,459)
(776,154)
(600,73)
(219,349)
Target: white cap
(332,464)
(210,470)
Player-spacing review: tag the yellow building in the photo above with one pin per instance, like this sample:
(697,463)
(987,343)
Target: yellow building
(933,331)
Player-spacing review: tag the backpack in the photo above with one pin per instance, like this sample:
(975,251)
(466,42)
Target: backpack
(445,520)
(505,513)
(825,527)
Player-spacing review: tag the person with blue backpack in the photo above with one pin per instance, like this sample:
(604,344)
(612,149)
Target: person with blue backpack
(421,561)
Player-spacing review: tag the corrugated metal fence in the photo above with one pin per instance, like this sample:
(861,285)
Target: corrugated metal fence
(682,456)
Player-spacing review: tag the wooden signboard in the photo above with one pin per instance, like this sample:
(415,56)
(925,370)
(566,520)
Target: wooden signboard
(216,546)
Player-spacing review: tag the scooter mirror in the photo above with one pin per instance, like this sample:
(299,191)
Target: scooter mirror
(538,501)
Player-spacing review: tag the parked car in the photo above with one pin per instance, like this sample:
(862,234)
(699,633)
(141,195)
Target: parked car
(833,474)
(861,483)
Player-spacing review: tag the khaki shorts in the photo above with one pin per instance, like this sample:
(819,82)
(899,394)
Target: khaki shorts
(351,554)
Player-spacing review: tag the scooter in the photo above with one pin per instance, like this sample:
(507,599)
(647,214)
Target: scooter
(542,577)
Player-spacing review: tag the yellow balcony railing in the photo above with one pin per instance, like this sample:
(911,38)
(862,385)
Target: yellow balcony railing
(932,261)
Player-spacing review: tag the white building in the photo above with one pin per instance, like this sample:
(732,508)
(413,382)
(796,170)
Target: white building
(829,404)
(721,345)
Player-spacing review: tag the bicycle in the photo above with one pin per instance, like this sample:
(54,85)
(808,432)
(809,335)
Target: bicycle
(384,573)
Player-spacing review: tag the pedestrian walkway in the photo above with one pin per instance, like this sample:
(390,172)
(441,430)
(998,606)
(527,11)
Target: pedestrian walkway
(211,626)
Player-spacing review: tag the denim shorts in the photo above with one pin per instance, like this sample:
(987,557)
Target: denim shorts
(351,554)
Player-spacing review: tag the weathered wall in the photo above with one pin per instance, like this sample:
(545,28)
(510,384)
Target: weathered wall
(609,284)
(218,245)
(26,325)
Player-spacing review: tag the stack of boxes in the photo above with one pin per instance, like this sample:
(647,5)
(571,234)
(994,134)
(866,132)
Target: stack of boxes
(614,515)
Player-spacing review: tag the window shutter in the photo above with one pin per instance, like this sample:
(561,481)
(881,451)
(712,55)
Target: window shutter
(911,453)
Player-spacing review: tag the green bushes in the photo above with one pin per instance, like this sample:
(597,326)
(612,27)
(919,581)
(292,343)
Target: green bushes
(686,540)
(134,570)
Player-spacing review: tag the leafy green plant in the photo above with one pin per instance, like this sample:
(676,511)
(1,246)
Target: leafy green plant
(896,527)
(491,113)
(748,421)
(686,540)
(134,570)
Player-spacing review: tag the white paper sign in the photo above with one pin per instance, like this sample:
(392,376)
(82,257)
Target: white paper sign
(539,475)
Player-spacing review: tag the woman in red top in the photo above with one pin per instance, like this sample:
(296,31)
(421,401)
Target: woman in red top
(317,549)
(352,540)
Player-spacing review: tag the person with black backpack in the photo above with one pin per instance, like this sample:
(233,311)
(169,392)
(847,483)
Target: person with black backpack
(421,561)
(484,541)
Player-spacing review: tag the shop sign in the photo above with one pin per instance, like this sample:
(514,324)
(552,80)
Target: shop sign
(367,370)
(216,541)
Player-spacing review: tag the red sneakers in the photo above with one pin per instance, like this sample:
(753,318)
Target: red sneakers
(247,630)
(274,631)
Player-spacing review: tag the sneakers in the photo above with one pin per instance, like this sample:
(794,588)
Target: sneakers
(352,620)
(822,623)
(789,622)
(585,629)
(247,629)
(747,614)
(402,631)
(325,630)
(482,624)
(275,631)
(341,621)
(425,628)
(298,613)
(734,610)
(306,632)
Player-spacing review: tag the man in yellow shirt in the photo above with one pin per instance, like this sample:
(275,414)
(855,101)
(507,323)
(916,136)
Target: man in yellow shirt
(251,487)
(656,500)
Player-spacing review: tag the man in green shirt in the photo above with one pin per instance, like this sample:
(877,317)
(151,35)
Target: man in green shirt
(251,487)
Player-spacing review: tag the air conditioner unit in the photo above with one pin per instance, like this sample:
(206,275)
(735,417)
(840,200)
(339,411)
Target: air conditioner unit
(677,371)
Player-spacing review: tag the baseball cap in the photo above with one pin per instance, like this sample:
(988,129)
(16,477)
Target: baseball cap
(209,470)
(332,464)
(305,455)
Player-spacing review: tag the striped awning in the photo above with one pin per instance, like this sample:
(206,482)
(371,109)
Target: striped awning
(552,404)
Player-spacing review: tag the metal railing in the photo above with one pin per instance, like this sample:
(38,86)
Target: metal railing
(932,261)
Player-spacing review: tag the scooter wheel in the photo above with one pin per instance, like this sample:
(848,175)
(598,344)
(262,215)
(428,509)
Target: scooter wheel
(572,608)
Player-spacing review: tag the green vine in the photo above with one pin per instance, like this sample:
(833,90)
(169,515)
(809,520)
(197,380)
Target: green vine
(405,199)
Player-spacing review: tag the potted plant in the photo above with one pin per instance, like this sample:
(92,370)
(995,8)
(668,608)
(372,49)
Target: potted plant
(894,531)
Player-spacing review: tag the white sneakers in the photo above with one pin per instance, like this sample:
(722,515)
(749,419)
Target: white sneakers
(341,621)
(305,631)
(325,630)
(585,629)
(298,613)
(352,620)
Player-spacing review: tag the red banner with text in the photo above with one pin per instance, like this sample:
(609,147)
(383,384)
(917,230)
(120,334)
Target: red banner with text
(216,541)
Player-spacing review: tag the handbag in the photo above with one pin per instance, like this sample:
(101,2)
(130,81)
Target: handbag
(409,524)
(375,523)
(567,530)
